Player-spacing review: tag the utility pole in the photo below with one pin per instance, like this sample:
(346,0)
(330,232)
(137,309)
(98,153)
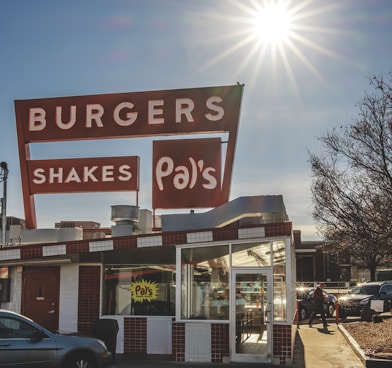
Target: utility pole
(3,178)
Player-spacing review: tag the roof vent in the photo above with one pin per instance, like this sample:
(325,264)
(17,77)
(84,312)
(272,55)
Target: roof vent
(126,218)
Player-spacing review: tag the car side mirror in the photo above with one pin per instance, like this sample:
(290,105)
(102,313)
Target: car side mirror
(37,336)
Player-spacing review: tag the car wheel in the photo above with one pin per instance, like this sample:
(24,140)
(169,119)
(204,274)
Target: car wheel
(80,360)
(302,314)
(342,312)
(367,314)
(330,310)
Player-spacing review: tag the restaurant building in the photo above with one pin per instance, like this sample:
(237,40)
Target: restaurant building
(214,287)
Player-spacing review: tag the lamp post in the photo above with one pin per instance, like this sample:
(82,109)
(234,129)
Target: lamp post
(3,178)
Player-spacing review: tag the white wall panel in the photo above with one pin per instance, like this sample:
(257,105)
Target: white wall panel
(159,336)
(69,291)
(198,342)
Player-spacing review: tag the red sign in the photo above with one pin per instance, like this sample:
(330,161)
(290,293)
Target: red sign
(187,173)
(121,115)
(127,114)
(100,174)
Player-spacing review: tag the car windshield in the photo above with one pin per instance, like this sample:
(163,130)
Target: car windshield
(364,290)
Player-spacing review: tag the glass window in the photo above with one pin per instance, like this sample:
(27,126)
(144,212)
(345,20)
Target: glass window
(279,289)
(205,277)
(14,329)
(139,290)
(205,283)
(251,254)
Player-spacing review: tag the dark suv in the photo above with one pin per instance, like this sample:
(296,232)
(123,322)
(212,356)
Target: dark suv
(306,303)
(361,296)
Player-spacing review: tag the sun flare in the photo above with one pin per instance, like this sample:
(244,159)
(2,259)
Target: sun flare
(272,23)
(277,36)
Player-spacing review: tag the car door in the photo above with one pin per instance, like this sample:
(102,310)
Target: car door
(23,345)
(310,302)
(386,296)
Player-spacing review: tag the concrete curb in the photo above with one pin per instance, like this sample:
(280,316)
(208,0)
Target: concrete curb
(368,362)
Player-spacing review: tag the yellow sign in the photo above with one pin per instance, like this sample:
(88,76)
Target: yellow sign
(144,290)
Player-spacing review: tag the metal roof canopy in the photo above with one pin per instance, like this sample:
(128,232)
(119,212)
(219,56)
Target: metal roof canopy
(264,209)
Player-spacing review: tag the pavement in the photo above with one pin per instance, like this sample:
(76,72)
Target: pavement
(319,348)
(314,348)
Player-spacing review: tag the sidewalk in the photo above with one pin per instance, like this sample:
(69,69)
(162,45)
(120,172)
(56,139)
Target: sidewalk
(314,348)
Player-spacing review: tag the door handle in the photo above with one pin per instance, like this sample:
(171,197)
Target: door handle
(5,345)
(267,316)
(51,311)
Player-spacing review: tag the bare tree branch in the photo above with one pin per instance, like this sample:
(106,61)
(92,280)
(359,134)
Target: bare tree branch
(352,185)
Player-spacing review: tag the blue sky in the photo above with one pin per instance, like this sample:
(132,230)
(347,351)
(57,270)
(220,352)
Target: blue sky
(292,94)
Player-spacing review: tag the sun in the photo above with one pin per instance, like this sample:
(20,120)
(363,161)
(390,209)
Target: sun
(279,37)
(272,23)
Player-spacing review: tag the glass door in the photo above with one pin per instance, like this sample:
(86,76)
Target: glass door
(250,327)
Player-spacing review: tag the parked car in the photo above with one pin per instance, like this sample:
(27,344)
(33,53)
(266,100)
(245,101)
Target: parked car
(360,296)
(24,343)
(306,303)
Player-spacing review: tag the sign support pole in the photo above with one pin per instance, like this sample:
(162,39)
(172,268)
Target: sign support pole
(4,177)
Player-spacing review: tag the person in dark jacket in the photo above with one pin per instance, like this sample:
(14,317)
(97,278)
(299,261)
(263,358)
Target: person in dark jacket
(319,301)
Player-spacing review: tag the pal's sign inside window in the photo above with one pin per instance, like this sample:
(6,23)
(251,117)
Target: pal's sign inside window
(187,173)
(144,290)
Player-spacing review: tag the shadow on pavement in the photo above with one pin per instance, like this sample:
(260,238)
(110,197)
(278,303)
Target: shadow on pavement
(299,352)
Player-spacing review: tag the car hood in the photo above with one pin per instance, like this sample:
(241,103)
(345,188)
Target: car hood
(355,297)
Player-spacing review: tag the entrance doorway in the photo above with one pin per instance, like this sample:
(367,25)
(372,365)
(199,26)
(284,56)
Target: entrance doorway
(40,295)
(250,327)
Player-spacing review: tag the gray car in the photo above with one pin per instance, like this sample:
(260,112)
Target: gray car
(24,343)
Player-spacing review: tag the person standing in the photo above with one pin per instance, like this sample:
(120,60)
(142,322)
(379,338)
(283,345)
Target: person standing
(319,301)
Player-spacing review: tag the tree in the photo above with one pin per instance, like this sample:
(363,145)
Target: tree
(352,181)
